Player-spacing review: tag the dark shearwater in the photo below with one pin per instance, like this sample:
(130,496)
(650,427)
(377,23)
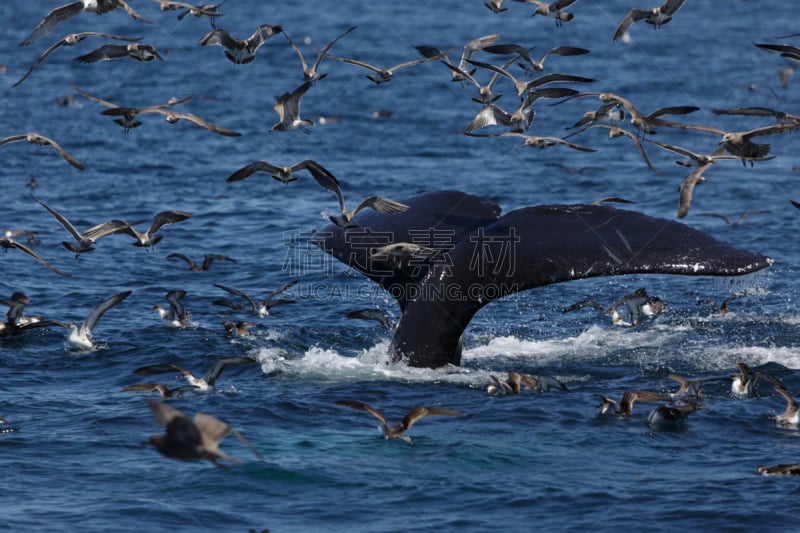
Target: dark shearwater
(397,431)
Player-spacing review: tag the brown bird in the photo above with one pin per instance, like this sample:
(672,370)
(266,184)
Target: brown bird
(625,406)
(149,238)
(240,51)
(396,431)
(657,16)
(615,131)
(192,439)
(67,11)
(71,39)
(283,174)
(109,52)
(40,140)
(382,75)
(261,307)
(128,115)
(7,243)
(208,259)
(238,329)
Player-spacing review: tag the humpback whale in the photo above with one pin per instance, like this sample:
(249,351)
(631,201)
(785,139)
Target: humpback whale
(485,256)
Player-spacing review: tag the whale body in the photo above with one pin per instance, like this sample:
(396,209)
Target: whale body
(484,255)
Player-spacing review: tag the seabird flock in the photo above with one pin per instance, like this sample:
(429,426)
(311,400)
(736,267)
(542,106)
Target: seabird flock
(485,57)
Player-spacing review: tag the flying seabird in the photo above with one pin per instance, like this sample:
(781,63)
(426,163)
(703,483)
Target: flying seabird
(534,141)
(149,238)
(783,50)
(311,74)
(71,39)
(656,16)
(732,222)
(470,48)
(81,338)
(188,440)
(485,95)
(204,385)
(283,174)
(383,75)
(261,307)
(607,112)
(128,115)
(287,106)
(205,265)
(495,6)
(67,11)
(7,243)
(781,117)
(523,87)
(538,66)
(396,431)
(84,242)
(40,140)
(200,10)
(554,9)
(377,203)
(616,131)
(240,52)
(108,52)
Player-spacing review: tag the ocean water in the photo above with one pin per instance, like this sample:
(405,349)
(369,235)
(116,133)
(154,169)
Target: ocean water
(76,460)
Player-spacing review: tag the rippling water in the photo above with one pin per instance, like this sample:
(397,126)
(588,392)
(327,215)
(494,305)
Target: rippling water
(77,461)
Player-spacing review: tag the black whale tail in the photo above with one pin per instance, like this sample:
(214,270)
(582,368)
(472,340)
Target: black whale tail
(484,256)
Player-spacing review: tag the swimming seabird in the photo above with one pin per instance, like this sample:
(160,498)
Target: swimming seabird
(378,315)
(203,385)
(311,74)
(177,315)
(516,380)
(625,406)
(149,238)
(240,51)
(723,308)
(396,431)
(673,412)
(197,439)
(109,52)
(205,265)
(284,174)
(67,11)
(744,382)
(287,106)
(262,307)
(84,242)
(382,75)
(6,243)
(71,39)
(377,203)
(81,338)
(40,140)
(238,329)
(554,9)
(656,16)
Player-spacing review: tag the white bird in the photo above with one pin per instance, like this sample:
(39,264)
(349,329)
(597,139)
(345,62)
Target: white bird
(261,307)
(81,338)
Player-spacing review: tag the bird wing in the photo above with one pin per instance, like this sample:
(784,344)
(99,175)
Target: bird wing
(163,413)
(184,257)
(62,220)
(327,180)
(419,412)
(167,217)
(217,368)
(354,404)
(14,138)
(322,53)
(102,307)
(39,60)
(210,258)
(670,7)
(687,189)
(237,292)
(57,15)
(177,311)
(627,21)
(93,98)
(63,153)
(283,288)
(131,12)
(11,243)
(106,52)
(194,119)
(150,370)
(251,168)
(262,33)
(381,205)
(219,37)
